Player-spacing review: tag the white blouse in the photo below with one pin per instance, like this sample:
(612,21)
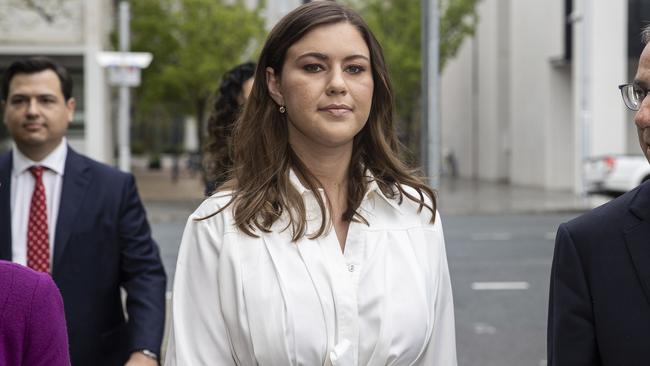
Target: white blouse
(385,300)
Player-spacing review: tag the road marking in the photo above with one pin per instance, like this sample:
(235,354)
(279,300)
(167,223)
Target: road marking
(500,285)
(484,328)
(491,236)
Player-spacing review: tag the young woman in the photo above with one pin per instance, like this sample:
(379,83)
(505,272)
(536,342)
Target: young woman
(233,92)
(323,248)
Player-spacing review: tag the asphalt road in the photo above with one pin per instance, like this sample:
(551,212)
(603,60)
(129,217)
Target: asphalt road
(507,326)
(500,275)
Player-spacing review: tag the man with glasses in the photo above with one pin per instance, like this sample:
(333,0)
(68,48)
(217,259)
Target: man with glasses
(599,305)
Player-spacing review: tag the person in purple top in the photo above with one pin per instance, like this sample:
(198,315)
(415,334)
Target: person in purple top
(32,322)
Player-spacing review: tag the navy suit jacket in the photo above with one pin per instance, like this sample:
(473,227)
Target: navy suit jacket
(102,243)
(599,310)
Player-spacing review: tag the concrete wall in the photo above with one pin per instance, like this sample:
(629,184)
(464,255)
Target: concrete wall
(601,124)
(458,98)
(528,115)
(73,28)
(487,61)
(608,69)
(537,123)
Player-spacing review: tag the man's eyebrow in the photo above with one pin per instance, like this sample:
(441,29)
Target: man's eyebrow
(42,95)
(324,57)
(640,83)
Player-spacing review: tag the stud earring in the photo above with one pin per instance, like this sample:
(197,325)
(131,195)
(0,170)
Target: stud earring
(282,109)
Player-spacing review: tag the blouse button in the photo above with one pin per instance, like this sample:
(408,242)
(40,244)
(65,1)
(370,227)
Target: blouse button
(351,267)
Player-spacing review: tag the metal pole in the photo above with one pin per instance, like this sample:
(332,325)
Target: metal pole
(430,136)
(585,102)
(123,134)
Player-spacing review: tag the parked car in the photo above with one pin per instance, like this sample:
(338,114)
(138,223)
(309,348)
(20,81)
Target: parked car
(615,174)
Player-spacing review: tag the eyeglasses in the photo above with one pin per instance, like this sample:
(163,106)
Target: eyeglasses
(633,95)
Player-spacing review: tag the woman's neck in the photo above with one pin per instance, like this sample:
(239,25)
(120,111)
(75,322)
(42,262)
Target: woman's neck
(329,166)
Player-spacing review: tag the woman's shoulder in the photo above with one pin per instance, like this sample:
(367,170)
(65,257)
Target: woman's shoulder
(218,202)
(20,282)
(415,207)
(16,273)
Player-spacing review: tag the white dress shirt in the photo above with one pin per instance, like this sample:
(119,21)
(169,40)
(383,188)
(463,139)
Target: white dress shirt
(385,300)
(22,189)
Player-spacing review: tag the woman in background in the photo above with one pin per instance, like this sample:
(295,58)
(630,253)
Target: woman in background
(32,322)
(233,91)
(322,248)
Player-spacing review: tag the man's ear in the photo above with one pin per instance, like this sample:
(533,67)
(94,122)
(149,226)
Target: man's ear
(70,105)
(273,84)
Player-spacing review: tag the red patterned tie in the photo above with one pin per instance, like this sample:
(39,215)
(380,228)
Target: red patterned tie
(38,242)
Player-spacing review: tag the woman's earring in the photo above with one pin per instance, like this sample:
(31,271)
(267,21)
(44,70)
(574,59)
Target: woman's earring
(282,109)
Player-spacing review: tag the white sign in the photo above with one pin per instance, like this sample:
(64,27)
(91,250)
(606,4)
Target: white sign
(124,76)
(124,67)
(136,59)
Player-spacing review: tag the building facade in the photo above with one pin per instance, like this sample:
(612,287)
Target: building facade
(71,32)
(534,93)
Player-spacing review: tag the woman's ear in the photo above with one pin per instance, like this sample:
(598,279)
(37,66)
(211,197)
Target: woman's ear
(273,84)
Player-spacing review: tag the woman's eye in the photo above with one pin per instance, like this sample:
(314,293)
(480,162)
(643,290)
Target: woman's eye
(312,68)
(355,69)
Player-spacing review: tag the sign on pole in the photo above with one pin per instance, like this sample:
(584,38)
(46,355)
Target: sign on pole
(124,67)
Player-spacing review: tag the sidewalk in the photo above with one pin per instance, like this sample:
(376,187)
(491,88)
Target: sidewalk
(170,201)
(467,196)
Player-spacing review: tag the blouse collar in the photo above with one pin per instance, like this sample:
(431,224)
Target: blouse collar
(372,188)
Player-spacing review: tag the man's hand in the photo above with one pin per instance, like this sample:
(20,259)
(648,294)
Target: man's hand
(139,359)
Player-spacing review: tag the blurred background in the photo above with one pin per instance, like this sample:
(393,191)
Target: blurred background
(532,129)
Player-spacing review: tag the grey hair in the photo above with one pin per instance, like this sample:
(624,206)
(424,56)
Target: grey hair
(645,34)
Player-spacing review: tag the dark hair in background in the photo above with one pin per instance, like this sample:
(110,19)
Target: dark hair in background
(33,65)
(217,161)
(263,157)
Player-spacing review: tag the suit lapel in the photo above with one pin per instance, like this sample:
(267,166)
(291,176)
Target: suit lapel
(637,236)
(76,180)
(5,206)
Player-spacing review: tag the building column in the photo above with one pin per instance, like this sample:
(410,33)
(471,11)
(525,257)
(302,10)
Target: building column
(600,64)
(98,132)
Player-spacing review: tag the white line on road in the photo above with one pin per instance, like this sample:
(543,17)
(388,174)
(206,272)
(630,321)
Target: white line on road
(484,328)
(491,236)
(514,285)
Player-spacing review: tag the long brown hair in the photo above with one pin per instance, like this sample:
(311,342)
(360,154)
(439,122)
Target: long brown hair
(263,157)
(217,161)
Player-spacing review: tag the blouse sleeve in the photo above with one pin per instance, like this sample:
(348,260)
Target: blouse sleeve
(198,333)
(441,350)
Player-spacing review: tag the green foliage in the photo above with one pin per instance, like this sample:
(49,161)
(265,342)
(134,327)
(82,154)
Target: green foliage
(194,42)
(458,20)
(397,26)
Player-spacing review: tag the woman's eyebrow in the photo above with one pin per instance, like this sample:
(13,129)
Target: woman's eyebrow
(324,57)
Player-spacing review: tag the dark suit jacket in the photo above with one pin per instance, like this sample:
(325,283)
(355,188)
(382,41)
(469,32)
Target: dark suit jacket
(32,325)
(103,242)
(599,311)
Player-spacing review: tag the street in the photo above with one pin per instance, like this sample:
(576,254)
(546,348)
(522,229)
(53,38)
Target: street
(486,253)
(501,327)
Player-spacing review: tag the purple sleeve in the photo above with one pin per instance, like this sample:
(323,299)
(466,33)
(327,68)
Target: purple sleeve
(46,332)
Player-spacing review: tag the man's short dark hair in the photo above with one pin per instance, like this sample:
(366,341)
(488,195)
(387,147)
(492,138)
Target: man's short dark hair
(34,65)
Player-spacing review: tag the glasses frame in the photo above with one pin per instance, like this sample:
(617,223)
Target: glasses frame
(625,94)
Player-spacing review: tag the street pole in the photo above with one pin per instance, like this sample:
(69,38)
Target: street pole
(430,132)
(123,134)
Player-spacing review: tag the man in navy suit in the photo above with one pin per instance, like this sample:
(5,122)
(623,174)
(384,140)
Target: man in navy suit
(599,306)
(80,220)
